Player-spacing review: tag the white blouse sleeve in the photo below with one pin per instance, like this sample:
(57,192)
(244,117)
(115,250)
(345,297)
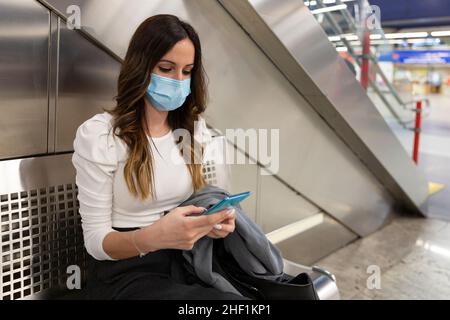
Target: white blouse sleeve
(95,161)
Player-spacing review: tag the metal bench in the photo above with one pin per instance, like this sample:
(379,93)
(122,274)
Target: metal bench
(41,233)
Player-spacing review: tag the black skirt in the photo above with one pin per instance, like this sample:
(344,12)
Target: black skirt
(159,275)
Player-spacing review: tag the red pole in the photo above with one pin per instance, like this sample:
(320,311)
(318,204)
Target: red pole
(365,60)
(417,131)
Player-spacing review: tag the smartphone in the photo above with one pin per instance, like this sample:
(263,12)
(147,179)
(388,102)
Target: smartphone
(228,202)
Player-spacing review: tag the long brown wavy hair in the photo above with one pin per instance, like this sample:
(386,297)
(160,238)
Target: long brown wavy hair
(150,42)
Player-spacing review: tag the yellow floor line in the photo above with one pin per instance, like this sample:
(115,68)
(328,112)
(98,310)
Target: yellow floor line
(434,187)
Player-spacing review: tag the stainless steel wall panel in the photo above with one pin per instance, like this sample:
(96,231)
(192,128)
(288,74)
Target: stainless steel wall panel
(24,46)
(244,177)
(113,22)
(280,206)
(315,241)
(36,172)
(87,81)
(53,81)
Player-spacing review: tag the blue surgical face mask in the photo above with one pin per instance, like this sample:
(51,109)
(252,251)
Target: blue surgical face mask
(168,94)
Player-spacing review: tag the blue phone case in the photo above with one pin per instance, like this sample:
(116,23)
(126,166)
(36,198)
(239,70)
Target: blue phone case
(228,202)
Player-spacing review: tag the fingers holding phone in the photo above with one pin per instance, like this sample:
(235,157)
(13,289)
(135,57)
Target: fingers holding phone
(225,227)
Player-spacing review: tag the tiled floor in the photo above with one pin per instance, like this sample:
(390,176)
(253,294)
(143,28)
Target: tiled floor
(411,253)
(413,257)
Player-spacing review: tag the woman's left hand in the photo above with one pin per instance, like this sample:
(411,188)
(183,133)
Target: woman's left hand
(224,228)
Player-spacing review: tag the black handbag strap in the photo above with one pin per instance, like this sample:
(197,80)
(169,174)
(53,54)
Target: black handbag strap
(286,287)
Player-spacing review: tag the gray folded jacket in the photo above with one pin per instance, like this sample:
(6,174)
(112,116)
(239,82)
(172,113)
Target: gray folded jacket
(248,244)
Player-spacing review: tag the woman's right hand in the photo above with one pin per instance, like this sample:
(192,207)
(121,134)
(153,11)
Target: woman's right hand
(181,228)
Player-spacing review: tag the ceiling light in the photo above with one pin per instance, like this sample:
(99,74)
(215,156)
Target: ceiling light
(386,42)
(352,37)
(310,3)
(396,41)
(406,35)
(441,33)
(329,9)
(334,1)
(425,41)
(334,38)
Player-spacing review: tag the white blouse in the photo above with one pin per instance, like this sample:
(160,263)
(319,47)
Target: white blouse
(105,201)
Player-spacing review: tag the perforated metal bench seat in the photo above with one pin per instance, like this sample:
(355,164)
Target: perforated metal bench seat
(41,232)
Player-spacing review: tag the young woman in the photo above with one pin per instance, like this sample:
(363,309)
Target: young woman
(130,182)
